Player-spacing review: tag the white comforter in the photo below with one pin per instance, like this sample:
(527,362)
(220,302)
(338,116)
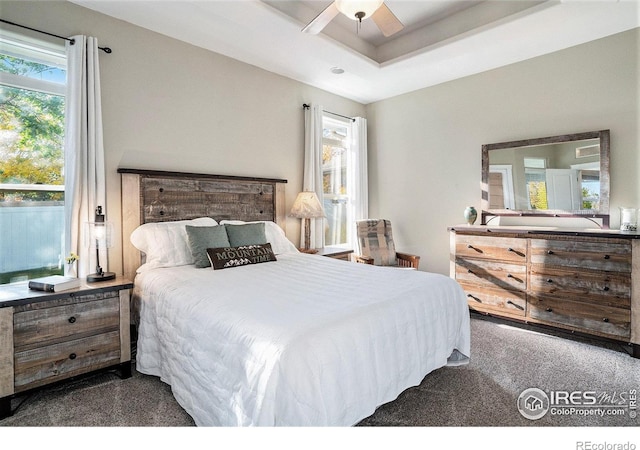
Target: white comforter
(305,340)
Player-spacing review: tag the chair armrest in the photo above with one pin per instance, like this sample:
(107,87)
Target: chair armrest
(407,260)
(362,259)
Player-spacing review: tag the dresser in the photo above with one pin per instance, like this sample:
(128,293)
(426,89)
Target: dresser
(584,281)
(49,337)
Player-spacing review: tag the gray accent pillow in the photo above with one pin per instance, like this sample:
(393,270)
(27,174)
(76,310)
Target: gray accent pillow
(245,234)
(202,238)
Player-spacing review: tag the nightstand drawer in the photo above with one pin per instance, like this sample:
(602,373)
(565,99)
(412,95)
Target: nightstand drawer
(37,327)
(50,363)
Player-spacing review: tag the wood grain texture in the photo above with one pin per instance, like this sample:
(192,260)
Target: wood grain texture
(54,324)
(635,293)
(131,218)
(589,318)
(125,329)
(156,196)
(496,300)
(491,273)
(585,283)
(6,352)
(47,364)
(50,337)
(489,247)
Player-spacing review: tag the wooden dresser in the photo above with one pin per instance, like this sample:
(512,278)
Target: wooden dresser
(49,337)
(577,280)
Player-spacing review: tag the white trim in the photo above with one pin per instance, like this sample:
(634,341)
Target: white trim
(32,84)
(507,183)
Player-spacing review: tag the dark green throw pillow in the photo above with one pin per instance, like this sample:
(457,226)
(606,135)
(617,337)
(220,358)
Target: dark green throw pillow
(202,238)
(245,234)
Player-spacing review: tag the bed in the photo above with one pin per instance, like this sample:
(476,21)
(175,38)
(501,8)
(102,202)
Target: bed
(299,340)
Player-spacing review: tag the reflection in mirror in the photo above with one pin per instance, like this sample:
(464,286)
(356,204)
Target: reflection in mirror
(555,176)
(559,176)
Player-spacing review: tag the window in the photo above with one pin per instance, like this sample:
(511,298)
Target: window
(337,180)
(32,102)
(536,180)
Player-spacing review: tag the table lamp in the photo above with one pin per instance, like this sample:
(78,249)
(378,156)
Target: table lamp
(98,235)
(307,206)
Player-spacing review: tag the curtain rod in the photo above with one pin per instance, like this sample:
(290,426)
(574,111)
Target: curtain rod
(305,106)
(72,41)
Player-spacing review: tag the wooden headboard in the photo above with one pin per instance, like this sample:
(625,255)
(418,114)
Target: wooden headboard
(159,196)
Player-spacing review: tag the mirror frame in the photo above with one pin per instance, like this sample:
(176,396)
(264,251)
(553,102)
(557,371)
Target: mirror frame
(601,213)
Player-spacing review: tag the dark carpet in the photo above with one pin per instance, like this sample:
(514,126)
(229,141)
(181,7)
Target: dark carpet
(506,359)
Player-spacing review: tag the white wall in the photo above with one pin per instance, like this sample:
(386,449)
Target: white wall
(172,106)
(425,147)
(168,105)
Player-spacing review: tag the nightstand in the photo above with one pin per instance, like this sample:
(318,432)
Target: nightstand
(336,253)
(49,337)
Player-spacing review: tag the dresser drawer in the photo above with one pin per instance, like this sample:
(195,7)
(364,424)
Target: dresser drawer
(50,363)
(495,300)
(607,288)
(595,255)
(491,273)
(498,248)
(42,326)
(586,317)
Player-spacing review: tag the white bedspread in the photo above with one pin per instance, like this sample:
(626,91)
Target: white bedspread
(305,340)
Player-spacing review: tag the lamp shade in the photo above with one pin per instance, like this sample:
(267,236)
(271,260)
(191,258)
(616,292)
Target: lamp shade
(307,206)
(98,235)
(357,10)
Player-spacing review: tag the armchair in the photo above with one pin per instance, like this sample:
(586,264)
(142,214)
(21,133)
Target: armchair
(375,240)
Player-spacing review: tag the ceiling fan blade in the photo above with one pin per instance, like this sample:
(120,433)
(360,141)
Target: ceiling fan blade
(386,21)
(322,19)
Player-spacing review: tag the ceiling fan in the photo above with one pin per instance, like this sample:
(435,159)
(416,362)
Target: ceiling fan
(357,10)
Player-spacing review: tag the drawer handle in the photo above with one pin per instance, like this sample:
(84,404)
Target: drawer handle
(607,257)
(72,319)
(469,246)
(605,319)
(550,252)
(509,302)
(509,275)
(515,251)
(606,288)
(469,271)
(474,297)
(73,356)
(549,280)
(549,310)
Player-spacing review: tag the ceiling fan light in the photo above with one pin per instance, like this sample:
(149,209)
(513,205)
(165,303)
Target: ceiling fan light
(352,8)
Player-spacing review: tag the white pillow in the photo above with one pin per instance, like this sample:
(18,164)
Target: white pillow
(165,244)
(274,234)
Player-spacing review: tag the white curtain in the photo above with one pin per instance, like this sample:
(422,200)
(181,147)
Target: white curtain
(312,178)
(361,184)
(84,170)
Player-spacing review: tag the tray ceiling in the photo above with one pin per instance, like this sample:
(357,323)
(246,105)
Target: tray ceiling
(442,40)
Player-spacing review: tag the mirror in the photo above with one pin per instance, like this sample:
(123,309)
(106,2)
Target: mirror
(557,176)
